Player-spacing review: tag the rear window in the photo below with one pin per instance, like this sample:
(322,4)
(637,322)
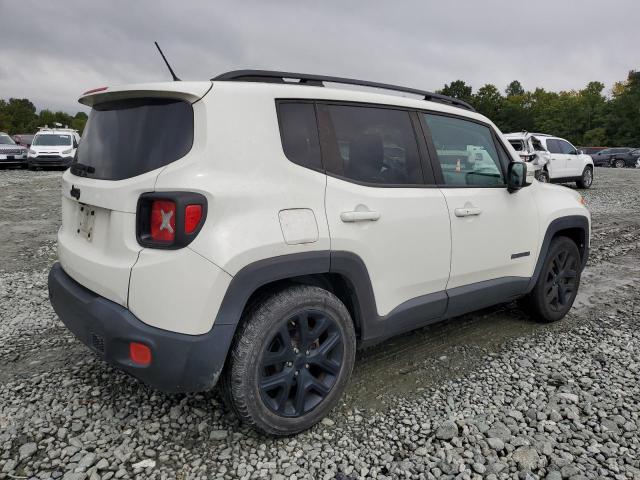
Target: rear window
(518,145)
(127,138)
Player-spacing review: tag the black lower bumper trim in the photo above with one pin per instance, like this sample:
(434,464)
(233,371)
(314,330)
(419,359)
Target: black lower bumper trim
(180,363)
(50,161)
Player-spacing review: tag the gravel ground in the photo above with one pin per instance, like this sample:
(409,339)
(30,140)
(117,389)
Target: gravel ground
(489,395)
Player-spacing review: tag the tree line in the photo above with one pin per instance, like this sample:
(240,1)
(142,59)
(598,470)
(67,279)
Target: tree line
(586,117)
(18,115)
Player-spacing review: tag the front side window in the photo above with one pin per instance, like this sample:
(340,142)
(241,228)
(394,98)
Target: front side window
(52,140)
(6,140)
(299,134)
(566,147)
(466,152)
(371,145)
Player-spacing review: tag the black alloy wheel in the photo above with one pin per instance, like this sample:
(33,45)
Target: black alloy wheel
(557,285)
(291,359)
(561,281)
(301,363)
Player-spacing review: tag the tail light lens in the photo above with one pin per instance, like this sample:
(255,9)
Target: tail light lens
(169,220)
(163,221)
(192,216)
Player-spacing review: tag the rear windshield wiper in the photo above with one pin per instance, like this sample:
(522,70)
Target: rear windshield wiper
(82,170)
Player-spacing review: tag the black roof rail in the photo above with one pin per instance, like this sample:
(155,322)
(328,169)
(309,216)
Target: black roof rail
(269,76)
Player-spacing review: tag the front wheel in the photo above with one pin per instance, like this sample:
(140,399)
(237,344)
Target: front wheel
(557,286)
(619,163)
(291,360)
(586,179)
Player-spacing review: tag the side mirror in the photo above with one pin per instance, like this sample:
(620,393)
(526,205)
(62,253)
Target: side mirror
(519,175)
(580,152)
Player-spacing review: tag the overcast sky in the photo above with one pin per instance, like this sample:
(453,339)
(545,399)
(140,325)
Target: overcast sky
(52,51)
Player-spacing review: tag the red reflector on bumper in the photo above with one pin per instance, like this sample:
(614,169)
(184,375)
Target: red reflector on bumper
(139,353)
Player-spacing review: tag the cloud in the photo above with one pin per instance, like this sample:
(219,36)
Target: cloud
(50,52)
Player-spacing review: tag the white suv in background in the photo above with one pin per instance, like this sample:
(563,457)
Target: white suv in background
(555,159)
(53,147)
(253,230)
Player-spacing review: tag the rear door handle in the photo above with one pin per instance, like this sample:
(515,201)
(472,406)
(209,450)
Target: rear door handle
(359,216)
(467,211)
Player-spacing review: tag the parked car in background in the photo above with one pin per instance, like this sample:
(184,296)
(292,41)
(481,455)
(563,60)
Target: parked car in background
(555,159)
(619,157)
(591,150)
(53,147)
(10,152)
(23,139)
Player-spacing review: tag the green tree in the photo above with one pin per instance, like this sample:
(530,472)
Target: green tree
(458,89)
(515,88)
(488,101)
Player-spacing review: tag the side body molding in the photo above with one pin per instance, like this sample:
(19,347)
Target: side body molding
(412,314)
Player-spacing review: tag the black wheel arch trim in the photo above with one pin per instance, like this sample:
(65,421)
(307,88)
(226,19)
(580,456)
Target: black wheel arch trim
(579,223)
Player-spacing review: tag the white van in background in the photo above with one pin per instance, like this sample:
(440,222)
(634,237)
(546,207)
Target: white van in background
(53,147)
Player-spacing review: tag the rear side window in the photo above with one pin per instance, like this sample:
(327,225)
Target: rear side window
(371,145)
(127,138)
(299,134)
(466,152)
(553,146)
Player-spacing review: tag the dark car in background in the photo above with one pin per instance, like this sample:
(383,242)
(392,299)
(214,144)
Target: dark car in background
(23,139)
(591,150)
(619,157)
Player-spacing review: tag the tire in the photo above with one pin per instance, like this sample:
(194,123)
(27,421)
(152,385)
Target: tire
(543,176)
(586,180)
(619,163)
(558,283)
(302,335)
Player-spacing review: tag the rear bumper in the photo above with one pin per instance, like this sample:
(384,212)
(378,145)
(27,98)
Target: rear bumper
(180,363)
(50,161)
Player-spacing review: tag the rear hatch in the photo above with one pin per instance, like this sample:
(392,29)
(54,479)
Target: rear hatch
(131,135)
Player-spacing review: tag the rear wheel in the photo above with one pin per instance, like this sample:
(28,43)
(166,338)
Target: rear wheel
(586,179)
(557,285)
(619,163)
(543,176)
(291,360)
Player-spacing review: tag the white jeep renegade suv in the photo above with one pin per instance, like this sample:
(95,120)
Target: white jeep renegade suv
(251,231)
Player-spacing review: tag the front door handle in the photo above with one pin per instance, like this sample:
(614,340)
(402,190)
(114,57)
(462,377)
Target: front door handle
(467,211)
(359,216)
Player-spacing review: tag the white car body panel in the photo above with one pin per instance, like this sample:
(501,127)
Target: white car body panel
(416,247)
(407,250)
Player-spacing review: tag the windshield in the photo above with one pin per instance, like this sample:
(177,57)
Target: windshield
(6,140)
(52,140)
(126,138)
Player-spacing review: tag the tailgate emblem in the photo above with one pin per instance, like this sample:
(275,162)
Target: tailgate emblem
(75,192)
